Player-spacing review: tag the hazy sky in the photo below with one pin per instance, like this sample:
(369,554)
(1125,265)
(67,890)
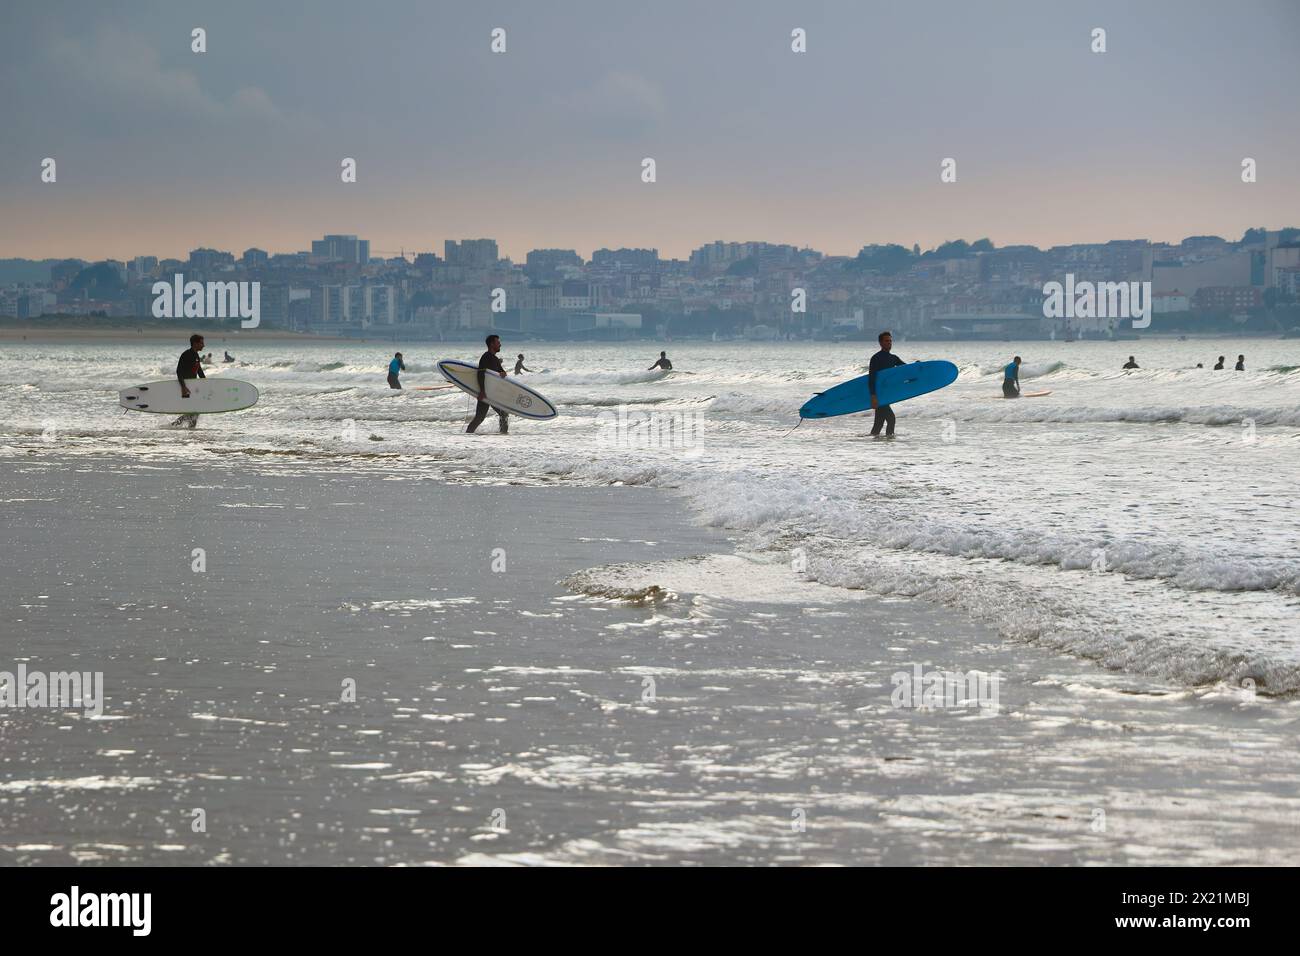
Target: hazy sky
(161,150)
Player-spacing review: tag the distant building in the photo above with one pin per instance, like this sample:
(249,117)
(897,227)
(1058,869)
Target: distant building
(354,305)
(1281,258)
(34,304)
(62,273)
(641,259)
(576,294)
(1172,301)
(210,260)
(545,263)
(471,252)
(348,249)
(142,267)
(1234,299)
(255,259)
(1288,280)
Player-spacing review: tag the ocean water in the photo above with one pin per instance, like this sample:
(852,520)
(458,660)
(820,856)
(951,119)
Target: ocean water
(1144,520)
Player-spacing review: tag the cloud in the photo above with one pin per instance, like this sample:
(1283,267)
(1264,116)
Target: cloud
(619,105)
(118,76)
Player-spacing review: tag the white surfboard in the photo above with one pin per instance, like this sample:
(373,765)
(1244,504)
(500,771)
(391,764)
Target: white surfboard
(207,396)
(1027,394)
(507,394)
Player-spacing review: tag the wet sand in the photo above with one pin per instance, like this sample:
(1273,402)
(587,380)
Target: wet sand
(607,697)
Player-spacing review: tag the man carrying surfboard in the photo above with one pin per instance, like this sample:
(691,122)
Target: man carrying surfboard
(488,362)
(190,366)
(879,362)
(1011,379)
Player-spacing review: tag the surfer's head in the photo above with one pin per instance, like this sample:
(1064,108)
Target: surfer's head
(886,340)
(196,341)
(493,342)
(1016,360)
(663,354)
(397,355)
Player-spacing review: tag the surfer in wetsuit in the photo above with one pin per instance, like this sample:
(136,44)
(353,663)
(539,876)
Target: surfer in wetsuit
(395,366)
(1011,379)
(663,363)
(519,364)
(229,357)
(190,366)
(488,362)
(1131,363)
(1219,367)
(879,362)
(1241,363)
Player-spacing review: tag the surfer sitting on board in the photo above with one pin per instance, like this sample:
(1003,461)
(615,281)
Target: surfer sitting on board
(1219,367)
(395,366)
(1131,363)
(879,362)
(663,363)
(519,364)
(488,362)
(1241,363)
(189,366)
(1011,379)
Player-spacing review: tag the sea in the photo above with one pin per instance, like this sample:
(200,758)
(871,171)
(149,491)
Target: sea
(1125,546)
(1142,518)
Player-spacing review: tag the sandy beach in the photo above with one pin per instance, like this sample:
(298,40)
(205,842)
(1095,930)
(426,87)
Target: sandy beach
(626,688)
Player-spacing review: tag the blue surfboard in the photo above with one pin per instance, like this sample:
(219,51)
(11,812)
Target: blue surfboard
(895,384)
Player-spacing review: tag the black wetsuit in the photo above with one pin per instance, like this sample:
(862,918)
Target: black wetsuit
(664,364)
(519,367)
(1011,381)
(884,414)
(1240,366)
(488,362)
(189,367)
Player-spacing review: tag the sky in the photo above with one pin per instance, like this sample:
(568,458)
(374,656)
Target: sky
(161,150)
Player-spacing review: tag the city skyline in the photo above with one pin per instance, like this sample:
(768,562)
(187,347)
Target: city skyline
(161,150)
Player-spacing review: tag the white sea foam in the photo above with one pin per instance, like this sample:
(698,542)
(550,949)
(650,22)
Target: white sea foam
(1145,518)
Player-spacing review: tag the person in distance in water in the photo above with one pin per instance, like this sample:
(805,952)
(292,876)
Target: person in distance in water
(1219,366)
(663,363)
(1131,363)
(882,360)
(488,362)
(190,367)
(519,364)
(1011,379)
(395,367)
(1241,363)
